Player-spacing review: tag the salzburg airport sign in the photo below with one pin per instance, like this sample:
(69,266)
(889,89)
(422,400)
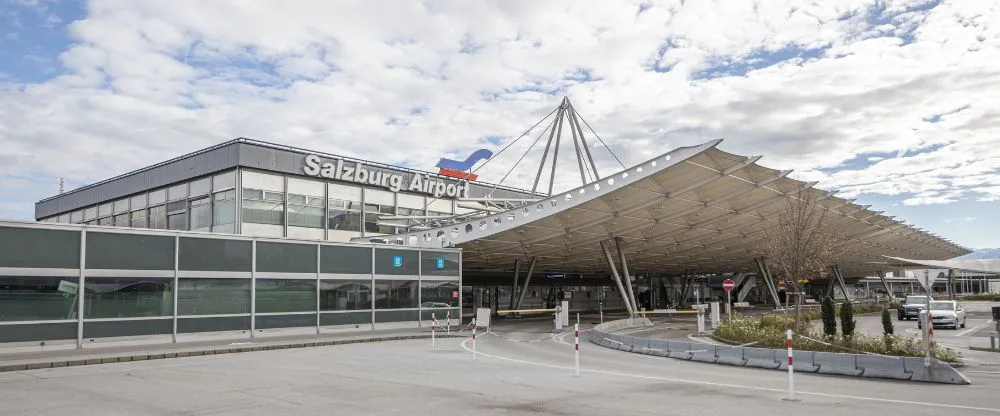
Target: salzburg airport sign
(357,172)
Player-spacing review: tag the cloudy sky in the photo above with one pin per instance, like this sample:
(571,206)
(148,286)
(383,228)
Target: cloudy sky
(892,101)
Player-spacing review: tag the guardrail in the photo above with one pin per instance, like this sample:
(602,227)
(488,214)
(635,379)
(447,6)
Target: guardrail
(856,365)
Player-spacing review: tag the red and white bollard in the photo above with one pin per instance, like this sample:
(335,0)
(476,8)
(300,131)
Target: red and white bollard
(576,354)
(473,339)
(434,324)
(791,368)
(448,322)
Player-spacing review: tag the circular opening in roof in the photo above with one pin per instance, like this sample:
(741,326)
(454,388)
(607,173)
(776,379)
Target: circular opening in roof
(413,240)
(525,211)
(667,157)
(569,197)
(624,175)
(539,207)
(497,221)
(440,234)
(597,187)
(427,237)
(468,228)
(611,181)
(653,163)
(638,169)
(582,191)
(454,231)
(482,225)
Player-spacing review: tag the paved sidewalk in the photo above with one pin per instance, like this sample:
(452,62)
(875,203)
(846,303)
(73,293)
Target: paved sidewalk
(18,361)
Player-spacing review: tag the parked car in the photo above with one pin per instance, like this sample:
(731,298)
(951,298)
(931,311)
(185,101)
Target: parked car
(945,313)
(911,307)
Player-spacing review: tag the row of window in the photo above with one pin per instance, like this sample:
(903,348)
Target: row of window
(55,298)
(209,204)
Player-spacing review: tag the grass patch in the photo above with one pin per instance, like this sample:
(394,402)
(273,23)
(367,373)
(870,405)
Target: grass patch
(769,332)
(995,297)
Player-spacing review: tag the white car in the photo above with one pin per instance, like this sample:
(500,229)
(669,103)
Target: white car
(944,313)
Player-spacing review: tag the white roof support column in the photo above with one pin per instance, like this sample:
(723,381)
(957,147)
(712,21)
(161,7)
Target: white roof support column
(768,280)
(513,289)
(527,281)
(616,278)
(885,283)
(625,275)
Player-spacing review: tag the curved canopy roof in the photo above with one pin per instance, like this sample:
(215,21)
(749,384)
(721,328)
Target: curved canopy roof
(988,266)
(695,209)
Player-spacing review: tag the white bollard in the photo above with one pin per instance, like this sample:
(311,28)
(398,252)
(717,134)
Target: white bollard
(701,321)
(576,354)
(715,315)
(791,368)
(473,339)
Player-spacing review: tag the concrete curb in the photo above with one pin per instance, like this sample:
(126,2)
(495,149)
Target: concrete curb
(127,357)
(851,365)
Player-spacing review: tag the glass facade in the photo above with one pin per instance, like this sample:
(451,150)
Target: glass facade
(137,283)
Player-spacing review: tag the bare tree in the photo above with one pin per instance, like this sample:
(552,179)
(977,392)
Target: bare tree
(802,244)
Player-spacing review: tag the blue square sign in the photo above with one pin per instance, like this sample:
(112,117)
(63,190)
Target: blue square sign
(397,261)
(439,262)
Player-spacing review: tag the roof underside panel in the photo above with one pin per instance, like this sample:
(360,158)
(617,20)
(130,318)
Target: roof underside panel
(696,209)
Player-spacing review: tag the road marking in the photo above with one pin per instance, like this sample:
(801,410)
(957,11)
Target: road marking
(976,328)
(465,346)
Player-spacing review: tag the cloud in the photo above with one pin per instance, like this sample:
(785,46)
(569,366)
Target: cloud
(808,85)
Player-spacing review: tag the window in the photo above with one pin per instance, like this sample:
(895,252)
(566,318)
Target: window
(139,219)
(200,187)
(76,217)
(305,211)
(90,214)
(395,294)
(263,207)
(137,202)
(345,295)
(177,222)
(122,220)
(213,296)
(177,192)
(285,295)
(224,181)
(37,298)
(438,294)
(344,215)
(157,197)
(105,221)
(64,219)
(201,214)
(115,297)
(224,209)
(372,213)
(158,217)
(121,206)
(104,210)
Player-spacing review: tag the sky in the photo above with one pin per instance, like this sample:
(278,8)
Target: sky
(893,102)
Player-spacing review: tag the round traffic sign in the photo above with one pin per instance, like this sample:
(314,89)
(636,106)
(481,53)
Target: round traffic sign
(728,284)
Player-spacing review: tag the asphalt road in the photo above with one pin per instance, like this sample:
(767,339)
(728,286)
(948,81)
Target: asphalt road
(521,368)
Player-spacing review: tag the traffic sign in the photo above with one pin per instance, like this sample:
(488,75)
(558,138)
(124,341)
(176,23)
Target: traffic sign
(926,277)
(454,294)
(728,284)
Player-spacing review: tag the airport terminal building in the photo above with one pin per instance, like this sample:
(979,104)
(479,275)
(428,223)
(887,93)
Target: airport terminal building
(249,238)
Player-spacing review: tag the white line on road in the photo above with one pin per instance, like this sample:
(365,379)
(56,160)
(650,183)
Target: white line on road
(737,386)
(975,328)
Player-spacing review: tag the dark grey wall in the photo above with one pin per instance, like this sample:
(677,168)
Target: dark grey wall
(224,157)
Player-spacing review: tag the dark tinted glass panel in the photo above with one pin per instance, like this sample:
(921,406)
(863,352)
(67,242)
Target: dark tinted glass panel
(24,247)
(129,251)
(222,323)
(398,262)
(346,260)
(349,318)
(285,321)
(213,296)
(345,295)
(395,294)
(215,255)
(117,297)
(286,258)
(177,222)
(38,332)
(37,298)
(284,295)
(127,328)
(441,315)
(439,263)
(343,220)
(436,294)
(395,316)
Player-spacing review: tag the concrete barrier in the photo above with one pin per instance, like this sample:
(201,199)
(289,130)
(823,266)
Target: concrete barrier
(882,367)
(804,361)
(730,355)
(835,363)
(703,353)
(760,358)
(938,372)
(871,366)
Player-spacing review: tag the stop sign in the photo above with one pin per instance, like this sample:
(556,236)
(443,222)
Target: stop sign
(728,284)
